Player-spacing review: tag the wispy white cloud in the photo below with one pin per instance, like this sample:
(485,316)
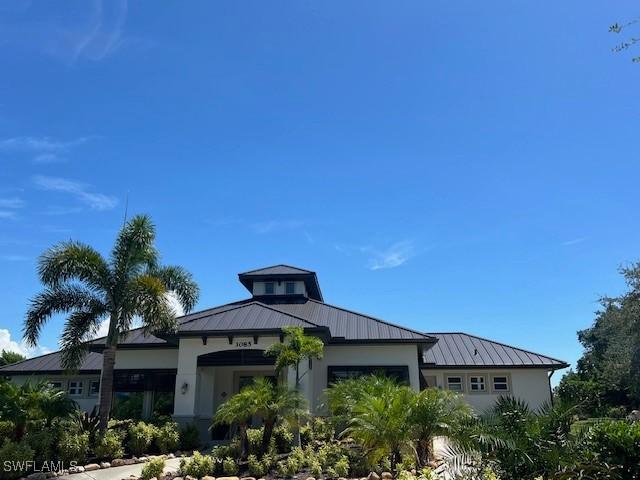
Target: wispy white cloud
(394,256)
(6,343)
(573,241)
(14,258)
(44,149)
(82,191)
(271,226)
(89,30)
(11,203)
(7,214)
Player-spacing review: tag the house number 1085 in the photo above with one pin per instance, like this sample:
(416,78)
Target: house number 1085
(244,344)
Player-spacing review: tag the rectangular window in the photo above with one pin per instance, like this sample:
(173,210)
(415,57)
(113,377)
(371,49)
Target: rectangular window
(75,388)
(400,373)
(476,383)
(290,288)
(455,384)
(269,288)
(94,388)
(500,384)
(55,385)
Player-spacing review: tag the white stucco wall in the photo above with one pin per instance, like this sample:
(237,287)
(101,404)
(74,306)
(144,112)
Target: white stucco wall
(188,353)
(531,385)
(85,401)
(146,358)
(357,355)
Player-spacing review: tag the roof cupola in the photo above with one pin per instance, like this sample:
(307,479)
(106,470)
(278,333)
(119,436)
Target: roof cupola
(281,282)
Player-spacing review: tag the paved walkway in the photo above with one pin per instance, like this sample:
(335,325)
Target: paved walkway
(117,473)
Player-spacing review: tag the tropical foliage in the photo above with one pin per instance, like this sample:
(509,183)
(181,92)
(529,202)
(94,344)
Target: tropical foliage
(90,288)
(8,357)
(608,373)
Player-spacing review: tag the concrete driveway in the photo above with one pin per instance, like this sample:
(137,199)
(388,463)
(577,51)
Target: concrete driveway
(117,473)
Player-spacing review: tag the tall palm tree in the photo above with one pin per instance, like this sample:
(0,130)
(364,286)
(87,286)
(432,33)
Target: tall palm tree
(296,348)
(129,284)
(238,411)
(272,403)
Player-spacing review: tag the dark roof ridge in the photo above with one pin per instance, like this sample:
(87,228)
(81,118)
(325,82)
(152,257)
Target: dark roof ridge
(372,318)
(260,304)
(273,266)
(502,344)
(29,359)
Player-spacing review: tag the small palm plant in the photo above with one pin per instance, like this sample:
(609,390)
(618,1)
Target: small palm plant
(238,411)
(273,403)
(129,284)
(380,424)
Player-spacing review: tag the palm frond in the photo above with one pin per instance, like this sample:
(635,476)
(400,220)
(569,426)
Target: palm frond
(147,298)
(134,250)
(80,326)
(180,281)
(60,299)
(73,261)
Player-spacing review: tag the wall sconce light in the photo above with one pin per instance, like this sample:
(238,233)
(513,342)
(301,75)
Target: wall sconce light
(184,388)
(223,394)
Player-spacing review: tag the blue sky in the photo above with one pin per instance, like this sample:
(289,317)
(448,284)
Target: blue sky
(450,166)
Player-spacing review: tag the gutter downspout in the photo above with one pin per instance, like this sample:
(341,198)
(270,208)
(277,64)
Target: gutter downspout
(550,390)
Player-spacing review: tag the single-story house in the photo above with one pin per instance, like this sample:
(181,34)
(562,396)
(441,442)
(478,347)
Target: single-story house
(217,351)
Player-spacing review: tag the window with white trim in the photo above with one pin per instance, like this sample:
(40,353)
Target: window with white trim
(455,384)
(500,383)
(75,388)
(476,383)
(290,288)
(269,288)
(94,388)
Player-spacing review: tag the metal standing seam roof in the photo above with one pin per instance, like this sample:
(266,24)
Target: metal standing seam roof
(349,325)
(52,362)
(250,316)
(278,270)
(459,349)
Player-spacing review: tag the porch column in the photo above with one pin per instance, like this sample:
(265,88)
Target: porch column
(184,409)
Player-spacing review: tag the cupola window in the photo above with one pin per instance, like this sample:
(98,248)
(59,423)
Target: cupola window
(269,288)
(290,288)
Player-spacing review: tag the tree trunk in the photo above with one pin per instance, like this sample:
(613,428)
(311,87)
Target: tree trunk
(297,439)
(244,440)
(267,434)
(106,386)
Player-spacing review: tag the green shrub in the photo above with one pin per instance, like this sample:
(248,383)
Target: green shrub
(73,446)
(315,468)
(189,437)
(7,429)
(342,467)
(617,444)
(256,467)
(254,435)
(198,466)
(140,437)
(229,467)
(331,472)
(167,437)
(42,443)
(153,468)
(283,438)
(17,453)
(110,445)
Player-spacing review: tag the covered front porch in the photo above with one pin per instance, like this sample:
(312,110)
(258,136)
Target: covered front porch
(210,371)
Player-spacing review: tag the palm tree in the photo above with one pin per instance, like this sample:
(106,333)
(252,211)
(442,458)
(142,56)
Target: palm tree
(274,402)
(238,411)
(296,348)
(129,284)
(380,424)
(436,413)
(32,401)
